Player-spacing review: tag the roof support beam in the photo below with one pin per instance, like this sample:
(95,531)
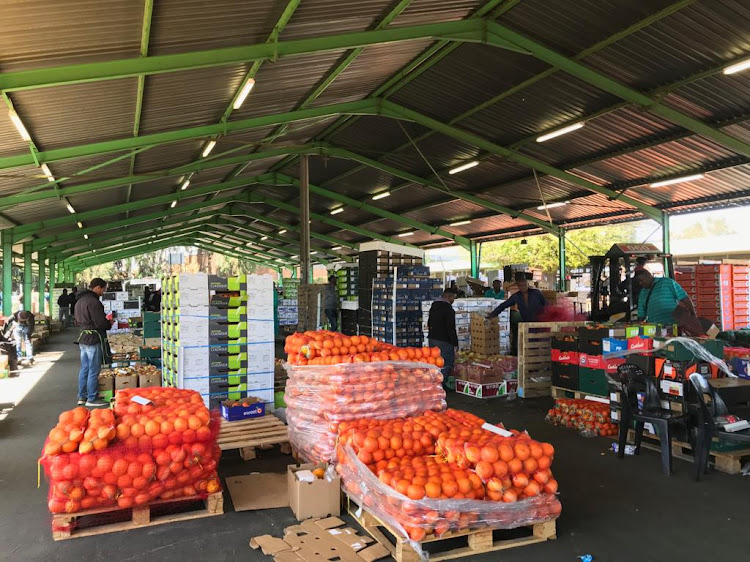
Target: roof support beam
(394,110)
(622,91)
(211,246)
(460,240)
(366,106)
(650,20)
(133,250)
(124,68)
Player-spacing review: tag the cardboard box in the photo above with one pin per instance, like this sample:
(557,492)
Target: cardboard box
(106,384)
(567,357)
(591,361)
(149,380)
(126,382)
(320,498)
(256,409)
(478,390)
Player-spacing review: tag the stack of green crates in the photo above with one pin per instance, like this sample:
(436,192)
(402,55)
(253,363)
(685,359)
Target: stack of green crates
(347,283)
(151,338)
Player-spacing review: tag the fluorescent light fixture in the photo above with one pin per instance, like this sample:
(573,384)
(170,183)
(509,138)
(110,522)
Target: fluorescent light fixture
(184,185)
(564,130)
(282,231)
(85,236)
(337,211)
(381,195)
(264,238)
(552,205)
(335,248)
(243,93)
(19,125)
(739,67)
(80,224)
(463,167)
(313,253)
(459,223)
(174,204)
(406,234)
(209,147)
(47,172)
(677,180)
(294,257)
(70,207)
(93,250)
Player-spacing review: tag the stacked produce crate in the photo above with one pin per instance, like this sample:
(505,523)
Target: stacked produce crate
(311,315)
(376,261)
(397,301)
(218,336)
(464,309)
(347,282)
(119,302)
(288,309)
(719,292)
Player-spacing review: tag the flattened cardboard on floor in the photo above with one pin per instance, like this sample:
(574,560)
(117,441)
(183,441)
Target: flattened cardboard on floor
(258,491)
(320,540)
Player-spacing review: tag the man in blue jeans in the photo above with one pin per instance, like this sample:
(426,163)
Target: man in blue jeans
(90,317)
(22,330)
(442,334)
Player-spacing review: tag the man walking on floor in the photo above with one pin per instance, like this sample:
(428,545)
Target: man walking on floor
(331,303)
(63,303)
(442,332)
(90,317)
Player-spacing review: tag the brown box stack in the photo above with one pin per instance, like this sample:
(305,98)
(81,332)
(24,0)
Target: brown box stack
(485,335)
(308,304)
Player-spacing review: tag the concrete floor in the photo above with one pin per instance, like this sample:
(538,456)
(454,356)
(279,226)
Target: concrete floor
(616,510)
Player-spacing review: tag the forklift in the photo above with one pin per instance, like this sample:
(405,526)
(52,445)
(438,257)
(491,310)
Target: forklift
(612,280)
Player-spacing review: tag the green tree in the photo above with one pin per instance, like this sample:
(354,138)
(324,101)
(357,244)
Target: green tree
(713,226)
(541,252)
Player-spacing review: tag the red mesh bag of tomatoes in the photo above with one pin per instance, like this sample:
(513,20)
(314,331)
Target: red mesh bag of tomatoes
(137,454)
(320,398)
(444,471)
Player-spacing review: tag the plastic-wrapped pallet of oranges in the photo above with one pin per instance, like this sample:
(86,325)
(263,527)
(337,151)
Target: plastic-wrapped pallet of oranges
(331,348)
(442,472)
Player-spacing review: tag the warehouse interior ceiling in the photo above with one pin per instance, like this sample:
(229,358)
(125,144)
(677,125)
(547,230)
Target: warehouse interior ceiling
(184,122)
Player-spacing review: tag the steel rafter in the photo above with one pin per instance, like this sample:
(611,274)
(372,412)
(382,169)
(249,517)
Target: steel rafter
(650,20)
(366,106)
(463,30)
(390,108)
(618,89)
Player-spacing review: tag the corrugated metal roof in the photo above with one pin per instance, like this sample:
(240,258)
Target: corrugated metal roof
(46,33)
(78,113)
(699,36)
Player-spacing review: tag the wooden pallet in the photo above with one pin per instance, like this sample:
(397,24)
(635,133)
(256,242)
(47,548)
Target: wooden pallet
(257,433)
(477,541)
(113,519)
(729,462)
(560,392)
(534,352)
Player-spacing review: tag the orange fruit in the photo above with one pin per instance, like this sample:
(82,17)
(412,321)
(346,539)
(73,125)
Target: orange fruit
(484,470)
(506,452)
(415,492)
(515,466)
(432,489)
(548,450)
(151,428)
(522,451)
(530,465)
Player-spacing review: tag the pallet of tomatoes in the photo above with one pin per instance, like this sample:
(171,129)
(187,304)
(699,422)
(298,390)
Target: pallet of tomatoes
(332,348)
(588,417)
(442,471)
(135,454)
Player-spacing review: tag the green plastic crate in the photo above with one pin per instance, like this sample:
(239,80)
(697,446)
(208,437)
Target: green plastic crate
(278,399)
(593,381)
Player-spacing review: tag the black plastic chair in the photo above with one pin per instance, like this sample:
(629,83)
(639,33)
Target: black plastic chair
(710,407)
(633,382)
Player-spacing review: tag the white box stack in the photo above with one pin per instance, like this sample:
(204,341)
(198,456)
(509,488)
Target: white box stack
(218,336)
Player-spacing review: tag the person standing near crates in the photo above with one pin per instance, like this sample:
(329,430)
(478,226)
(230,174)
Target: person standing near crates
(442,333)
(331,303)
(90,317)
(530,303)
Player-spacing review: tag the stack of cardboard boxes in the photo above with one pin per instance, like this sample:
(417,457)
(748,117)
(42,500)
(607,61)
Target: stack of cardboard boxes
(311,315)
(218,336)
(397,301)
(376,261)
(288,304)
(720,293)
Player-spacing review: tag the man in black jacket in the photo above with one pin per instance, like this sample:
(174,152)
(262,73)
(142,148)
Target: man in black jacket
(442,326)
(63,303)
(90,317)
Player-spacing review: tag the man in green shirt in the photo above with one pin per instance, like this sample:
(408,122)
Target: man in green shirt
(496,292)
(660,297)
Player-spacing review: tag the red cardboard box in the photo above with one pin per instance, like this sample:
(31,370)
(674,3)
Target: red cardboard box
(591,361)
(640,343)
(610,365)
(567,357)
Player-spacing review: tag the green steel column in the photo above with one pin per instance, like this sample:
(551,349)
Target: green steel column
(666,247)
(41,267)
(27,276)
(7,273)
(561,257)
(474,255)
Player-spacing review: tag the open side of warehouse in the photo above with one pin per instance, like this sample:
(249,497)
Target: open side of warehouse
(208,409)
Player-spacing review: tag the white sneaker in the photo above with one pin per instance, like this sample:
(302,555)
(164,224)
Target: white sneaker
(96,404)
(81,402)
